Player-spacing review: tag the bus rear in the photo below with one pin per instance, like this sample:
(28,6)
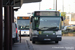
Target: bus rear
(23,25)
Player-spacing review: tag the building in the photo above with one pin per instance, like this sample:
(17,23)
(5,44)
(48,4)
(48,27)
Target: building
(70,19)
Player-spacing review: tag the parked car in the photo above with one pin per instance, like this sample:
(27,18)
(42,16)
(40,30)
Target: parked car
(65,28)
(73,27)
(15,36)
(68,28)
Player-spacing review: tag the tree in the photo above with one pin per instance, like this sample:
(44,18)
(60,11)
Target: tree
(63,14)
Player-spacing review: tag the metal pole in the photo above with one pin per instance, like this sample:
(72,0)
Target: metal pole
(1,25)
(7,27)
(20,35)
(11,21)
(56,5)
(62,5)
(39,5)
(69,8)
(11,16)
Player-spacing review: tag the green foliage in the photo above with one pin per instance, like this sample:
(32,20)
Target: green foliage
(63,14)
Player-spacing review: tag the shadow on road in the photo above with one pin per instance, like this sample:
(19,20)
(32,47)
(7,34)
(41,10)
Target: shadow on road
(24,36)
(46,43)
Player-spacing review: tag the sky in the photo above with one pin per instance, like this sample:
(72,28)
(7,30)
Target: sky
(45,4)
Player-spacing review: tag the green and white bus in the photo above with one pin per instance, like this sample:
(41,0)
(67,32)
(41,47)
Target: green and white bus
(45,25)
(23,24)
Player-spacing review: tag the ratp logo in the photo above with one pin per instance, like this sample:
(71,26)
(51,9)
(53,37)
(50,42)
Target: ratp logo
(46,35)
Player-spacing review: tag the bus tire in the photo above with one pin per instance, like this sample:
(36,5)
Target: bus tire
(33,42)
(12,42)
(30,39)
(56,42)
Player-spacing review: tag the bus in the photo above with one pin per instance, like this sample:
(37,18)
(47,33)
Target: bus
(23,25)
(46,25)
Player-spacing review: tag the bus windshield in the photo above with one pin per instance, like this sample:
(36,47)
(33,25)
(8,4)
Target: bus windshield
(47,23)
(23,24)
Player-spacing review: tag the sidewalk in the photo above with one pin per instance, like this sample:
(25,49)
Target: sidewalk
(20,46)
(24,45)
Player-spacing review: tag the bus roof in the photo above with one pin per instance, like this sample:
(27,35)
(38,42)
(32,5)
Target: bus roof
(23,16)
(44,10)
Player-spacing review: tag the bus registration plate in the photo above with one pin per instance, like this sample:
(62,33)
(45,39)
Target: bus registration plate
(47,39)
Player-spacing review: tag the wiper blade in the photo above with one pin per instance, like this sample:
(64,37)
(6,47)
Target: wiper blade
(44,28)
(53,28)
(48,28)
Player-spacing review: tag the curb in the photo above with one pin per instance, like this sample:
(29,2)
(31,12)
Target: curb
(29,45)
(26,45)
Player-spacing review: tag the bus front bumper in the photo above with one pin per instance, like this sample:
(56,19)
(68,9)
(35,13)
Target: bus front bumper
(49,38)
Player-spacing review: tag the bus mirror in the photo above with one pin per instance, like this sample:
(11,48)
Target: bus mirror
(62,18)
(31,19)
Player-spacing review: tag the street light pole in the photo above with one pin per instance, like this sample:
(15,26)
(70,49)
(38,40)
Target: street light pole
(56,5)
(69,8)
(39,5)
(62,5)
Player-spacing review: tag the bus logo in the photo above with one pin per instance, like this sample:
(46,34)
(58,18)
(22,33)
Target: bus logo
(46,35)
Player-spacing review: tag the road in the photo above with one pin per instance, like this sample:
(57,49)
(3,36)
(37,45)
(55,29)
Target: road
(67,43)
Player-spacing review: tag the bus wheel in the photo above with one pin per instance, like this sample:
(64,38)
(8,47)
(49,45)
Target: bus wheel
(33,42)
(56,42)
(30,39)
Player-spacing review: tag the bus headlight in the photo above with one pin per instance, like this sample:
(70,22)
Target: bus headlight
(53,33)
(58,32)
(35,32)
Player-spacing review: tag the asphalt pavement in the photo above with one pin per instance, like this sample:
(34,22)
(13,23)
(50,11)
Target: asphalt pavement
(24,45)
(67,43)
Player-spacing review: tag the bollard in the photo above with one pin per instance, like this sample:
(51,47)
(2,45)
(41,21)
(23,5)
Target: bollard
(20,35)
